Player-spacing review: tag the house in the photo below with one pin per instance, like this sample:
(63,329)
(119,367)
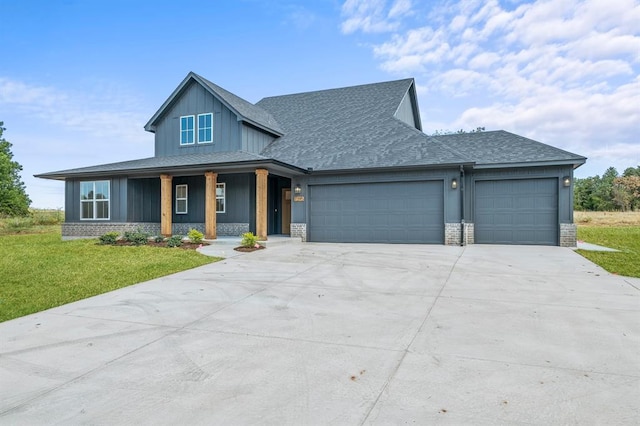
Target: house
(340,165)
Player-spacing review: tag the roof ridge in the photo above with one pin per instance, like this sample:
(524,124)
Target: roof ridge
(408,79)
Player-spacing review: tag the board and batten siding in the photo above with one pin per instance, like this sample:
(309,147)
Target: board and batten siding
(406,112)
(196,100)
(117,202)
(143,200)
(254,140)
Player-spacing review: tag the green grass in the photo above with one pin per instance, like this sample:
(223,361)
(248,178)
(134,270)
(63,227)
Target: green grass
(40,271)
(623,238)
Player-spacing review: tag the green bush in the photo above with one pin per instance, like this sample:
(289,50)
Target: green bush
(249,240)
(137,238)
(159,239)
(109,238)
(195,236)
(175,241)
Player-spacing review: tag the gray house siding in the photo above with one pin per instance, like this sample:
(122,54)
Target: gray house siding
(197,100)
(117,202)
(405,111)
(143,200)
(254,140)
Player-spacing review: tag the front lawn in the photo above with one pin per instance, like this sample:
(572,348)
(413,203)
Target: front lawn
(39,271)
(623,238)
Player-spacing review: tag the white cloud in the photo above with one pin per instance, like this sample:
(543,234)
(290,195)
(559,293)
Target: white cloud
(560,71)
(105,112)
(373,16)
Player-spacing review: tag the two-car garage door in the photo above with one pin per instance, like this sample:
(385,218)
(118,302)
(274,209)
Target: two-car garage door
(381,212)
(516,211)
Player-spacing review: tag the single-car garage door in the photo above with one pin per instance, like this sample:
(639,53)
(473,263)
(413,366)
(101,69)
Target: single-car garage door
(389,212)
(517,212)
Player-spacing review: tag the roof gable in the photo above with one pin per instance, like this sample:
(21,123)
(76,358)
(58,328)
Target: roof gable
(243,109)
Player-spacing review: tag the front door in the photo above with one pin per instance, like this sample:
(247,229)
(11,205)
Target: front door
(286,211)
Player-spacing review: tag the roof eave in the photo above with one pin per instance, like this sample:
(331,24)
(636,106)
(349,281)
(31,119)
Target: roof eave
(577,162)
(182,169)
(456,165)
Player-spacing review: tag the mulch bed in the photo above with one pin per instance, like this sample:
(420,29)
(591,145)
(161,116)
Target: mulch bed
(185,244)
(248,249)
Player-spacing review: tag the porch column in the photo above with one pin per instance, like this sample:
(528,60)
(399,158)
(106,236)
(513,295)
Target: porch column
(210,219)
(261,203)
(165,205)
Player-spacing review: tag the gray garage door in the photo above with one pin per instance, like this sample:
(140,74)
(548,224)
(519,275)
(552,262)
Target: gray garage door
(390,212)
(517,212)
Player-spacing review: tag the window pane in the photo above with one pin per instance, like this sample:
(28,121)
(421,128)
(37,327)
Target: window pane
(102,210)
(86,190)
(187,130)
(220,205)
(181,206)
(204,128)
(86,210)
(220,190)
(181,191)
(102,190)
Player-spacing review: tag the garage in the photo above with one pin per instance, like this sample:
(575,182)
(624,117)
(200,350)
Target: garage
(383,212)
(516,211)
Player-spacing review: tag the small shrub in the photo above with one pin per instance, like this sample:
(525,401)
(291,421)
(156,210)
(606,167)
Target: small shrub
(249,240)
(109,238)
(175,241)
(195,236)
(159,239)
(137,238)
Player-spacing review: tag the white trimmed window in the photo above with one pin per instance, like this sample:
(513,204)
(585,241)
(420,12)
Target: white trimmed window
(221,193)
(187,130)
(181,199)
(205,128)
(95,200)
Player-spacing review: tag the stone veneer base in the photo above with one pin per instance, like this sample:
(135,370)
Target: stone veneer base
(74,230)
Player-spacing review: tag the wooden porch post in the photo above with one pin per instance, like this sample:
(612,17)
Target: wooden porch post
(261,203)
(165,205)
(210,219)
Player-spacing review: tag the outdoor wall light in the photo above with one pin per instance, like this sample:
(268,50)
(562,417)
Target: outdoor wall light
(297,190)
(454,183)
(566,181)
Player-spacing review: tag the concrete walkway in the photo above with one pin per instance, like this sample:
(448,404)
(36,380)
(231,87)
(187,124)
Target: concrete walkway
(339,334)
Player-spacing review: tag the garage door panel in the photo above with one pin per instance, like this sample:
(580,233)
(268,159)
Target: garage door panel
(517,212)
(397,212)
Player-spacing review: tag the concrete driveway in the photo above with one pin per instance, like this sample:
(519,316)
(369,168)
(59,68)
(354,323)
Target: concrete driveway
(339,334)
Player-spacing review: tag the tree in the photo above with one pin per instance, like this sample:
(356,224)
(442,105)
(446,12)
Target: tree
(457,132)
(13,197)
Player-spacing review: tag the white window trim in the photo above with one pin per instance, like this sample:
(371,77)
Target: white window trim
(223,198)
(185,199)
(95,210)
(194,130)
(198,129)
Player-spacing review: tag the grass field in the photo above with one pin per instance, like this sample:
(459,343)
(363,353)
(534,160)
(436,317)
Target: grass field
(618,230)
(40,271)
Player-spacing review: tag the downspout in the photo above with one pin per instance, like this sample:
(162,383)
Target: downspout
(462,233)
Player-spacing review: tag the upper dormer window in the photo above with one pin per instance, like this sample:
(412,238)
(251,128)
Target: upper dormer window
(205,128)
(187,130)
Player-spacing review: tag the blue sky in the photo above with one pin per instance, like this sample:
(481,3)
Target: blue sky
(79,79)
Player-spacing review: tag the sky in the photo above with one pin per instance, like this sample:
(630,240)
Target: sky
(80,78)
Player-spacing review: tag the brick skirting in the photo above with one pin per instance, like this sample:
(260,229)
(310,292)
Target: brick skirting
(299,230)
(568,235)
(72,230)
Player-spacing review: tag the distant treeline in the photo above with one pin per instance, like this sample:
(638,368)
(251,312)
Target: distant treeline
(609,192)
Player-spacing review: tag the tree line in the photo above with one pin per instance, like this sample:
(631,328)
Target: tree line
(609,192)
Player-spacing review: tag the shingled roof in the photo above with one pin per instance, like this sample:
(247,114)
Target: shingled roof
(351,128)
(160,164)
(499,147)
